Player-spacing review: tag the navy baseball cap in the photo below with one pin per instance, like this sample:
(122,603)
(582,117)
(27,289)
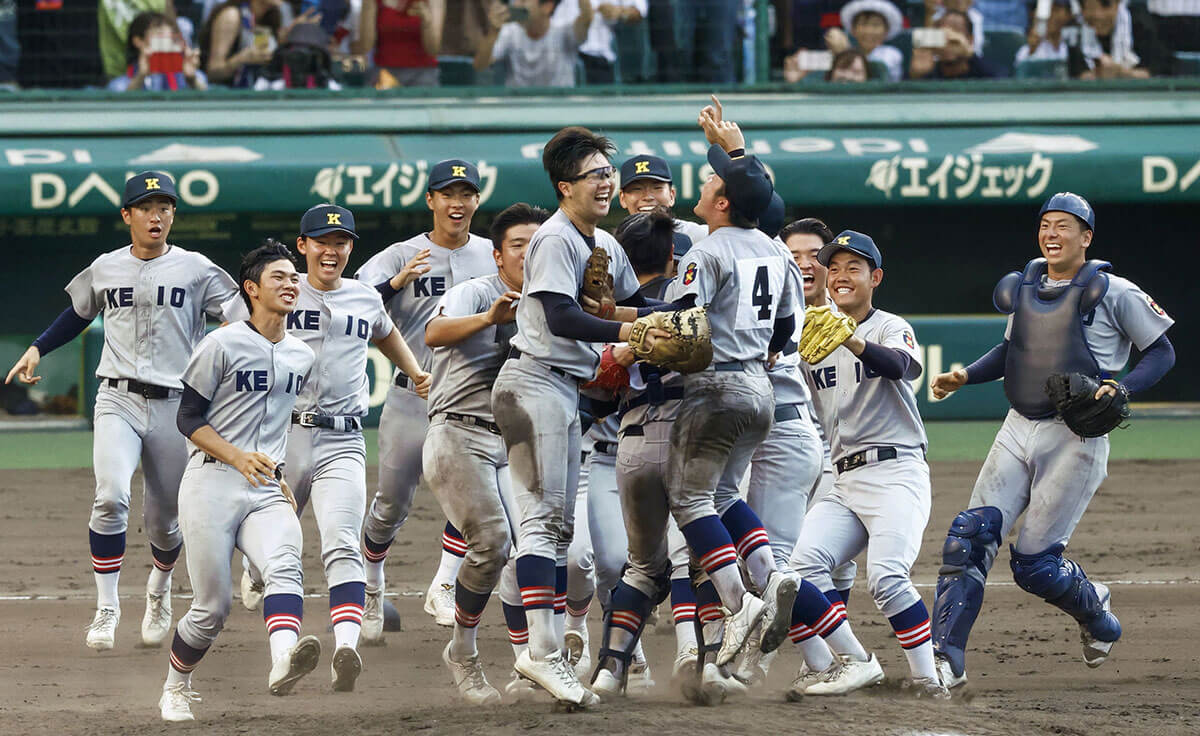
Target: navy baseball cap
(452,171)
(682,245)
(644,167)
(855,242)
(771,221)
(149,184)
(1072,204)
(747,185)
(327,218)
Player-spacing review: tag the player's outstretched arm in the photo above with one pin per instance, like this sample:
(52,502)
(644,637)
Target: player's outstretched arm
(65,328)
(25,369)
(396,349)
(443,331)
(945,384)
(987,368)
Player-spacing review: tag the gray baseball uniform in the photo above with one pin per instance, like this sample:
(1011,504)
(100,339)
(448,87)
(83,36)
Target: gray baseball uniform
(882,494)
(404,420)
(464,458)
(154,314)
(605,525)
(328,464)
(252,385)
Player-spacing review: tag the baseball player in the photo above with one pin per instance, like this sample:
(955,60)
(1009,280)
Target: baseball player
(880,498)
(645,184)
(239,389)
(1066,314)
(464,458)
(154,297)
(338,318)
(536,395)
(413,276)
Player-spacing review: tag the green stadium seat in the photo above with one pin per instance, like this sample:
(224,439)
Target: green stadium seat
(877,70)
(1042,69)
(1000,48)
(456,71)
(1187,63)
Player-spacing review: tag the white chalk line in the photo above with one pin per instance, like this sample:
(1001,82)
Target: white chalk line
(420,593)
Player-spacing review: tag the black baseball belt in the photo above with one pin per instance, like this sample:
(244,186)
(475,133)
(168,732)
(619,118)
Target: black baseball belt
(278,468)
(514,354)
(473,421)
(401,380)
(325,421)
(864,457)
(605,448)
(787,412)
(147,390)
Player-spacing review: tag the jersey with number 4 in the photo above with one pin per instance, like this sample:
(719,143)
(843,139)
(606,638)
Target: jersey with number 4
(860,408)
(742,277)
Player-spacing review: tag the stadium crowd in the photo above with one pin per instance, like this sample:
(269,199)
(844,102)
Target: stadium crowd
(271,44)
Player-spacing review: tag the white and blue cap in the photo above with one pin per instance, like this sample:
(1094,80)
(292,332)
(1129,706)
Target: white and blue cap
(1072,204)
(855,242)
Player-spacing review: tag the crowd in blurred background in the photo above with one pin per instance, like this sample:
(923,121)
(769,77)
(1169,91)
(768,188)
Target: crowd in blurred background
(272,44)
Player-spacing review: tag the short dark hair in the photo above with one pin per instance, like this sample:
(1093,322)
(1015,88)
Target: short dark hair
(139,27)
(567,148)
(844,59)
(648,238)
(515,214)
(807,226)
(255,262)
(736,218)
(966,19)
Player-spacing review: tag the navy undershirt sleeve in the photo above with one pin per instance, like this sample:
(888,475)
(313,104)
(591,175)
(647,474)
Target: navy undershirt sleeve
(989,366)
(887,362)
(386,291)
(565,318)
(1156,360)
(193,410)
(653,305)
(65,328)
(784,328)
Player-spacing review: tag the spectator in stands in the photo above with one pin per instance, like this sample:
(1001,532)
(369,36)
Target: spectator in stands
(10,48)
(1178,23)
(848,66)
(935,9)
(409,34)
(157,57)
(871,22)
(461,37)
(238,40)
(598,51)
(1116,42)
(114,17)
(957,59)
(1054,46)
(709,30)
(535,53)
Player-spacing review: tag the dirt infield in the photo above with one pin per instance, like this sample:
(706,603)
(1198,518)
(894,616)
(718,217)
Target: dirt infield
(1026,672)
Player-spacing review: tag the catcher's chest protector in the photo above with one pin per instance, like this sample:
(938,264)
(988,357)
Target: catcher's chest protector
(1047,331)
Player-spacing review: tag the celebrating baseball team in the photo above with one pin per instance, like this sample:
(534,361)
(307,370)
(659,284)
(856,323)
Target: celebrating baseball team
(714,413)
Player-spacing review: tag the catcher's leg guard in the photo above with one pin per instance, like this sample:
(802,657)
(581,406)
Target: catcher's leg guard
(967,556)
(627,610)
(1063,584)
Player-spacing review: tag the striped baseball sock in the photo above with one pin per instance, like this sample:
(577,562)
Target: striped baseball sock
(183,660)
(560,603)
(751,541)
(374,555)
(159,581)
(683,610)
(913,632)
(346,611)
(577,613)
(828,618)
(454,549)
(283,613)
(813,614)
(629,608)
(708,610)
(468,609)
(536,578)
(108,552)
(518,627)
(711,544)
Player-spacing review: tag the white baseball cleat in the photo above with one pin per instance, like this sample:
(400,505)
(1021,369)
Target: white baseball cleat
(639,680)
(684,676)
(852,675)
(469,679)
(715,687)
(175,705)
(295,664)
(156,623)
(778,597)
(103,629)
(345,669)
(946,673)
(521,688)
(755,666)
(578,655)
(372,620)
(806,677)
(607,684)
(739,626)
(556,677)
(439,603)
(252,592)
(927,687)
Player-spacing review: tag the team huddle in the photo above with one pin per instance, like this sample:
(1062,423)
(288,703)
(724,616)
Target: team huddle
(713,413)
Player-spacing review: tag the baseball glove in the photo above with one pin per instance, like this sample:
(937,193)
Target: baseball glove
(598,283)
(611,376)
(688,349)
(824,330)
(1074,400)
